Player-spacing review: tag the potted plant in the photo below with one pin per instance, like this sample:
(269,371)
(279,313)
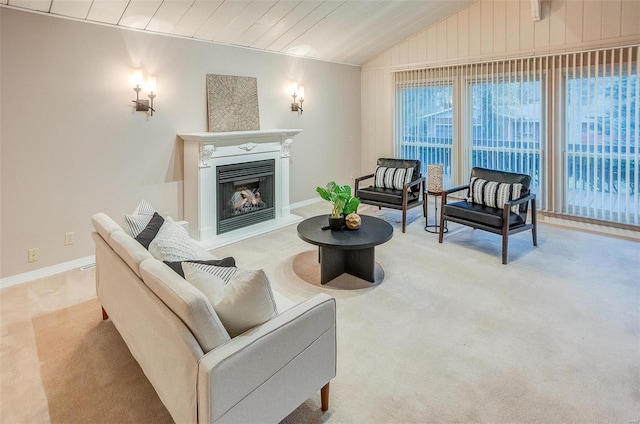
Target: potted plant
(342,201)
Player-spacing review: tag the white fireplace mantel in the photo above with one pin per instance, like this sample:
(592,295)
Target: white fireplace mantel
(245,140)
(204,151)
(232,136)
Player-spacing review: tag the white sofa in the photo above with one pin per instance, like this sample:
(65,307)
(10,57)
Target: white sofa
(199,372)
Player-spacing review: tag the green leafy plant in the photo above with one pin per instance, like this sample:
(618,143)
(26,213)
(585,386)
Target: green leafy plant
(340,197)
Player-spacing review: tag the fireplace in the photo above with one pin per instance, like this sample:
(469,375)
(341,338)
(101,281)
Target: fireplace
(236,184)
(245,194)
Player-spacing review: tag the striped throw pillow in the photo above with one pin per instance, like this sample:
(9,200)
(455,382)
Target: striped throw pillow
(140,218)
(222,272)
(395,178)
(494,194)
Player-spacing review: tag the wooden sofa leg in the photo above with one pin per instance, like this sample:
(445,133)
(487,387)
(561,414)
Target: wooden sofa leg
(324,397)
(104,314)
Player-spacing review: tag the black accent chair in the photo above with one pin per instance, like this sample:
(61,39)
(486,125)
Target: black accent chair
(409,197)
(496,220)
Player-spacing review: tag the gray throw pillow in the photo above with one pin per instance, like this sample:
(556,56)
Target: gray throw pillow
(147,235)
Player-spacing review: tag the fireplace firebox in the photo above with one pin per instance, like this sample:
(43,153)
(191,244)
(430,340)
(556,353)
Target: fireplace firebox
(245,194)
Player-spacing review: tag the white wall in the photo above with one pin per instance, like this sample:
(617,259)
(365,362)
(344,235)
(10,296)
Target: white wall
(71,145)
(489,29)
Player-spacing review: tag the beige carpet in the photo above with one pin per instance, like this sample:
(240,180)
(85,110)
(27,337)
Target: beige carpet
(84,367)
(448,334)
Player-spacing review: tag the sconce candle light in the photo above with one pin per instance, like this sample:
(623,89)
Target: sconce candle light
(136,80)
(297,92)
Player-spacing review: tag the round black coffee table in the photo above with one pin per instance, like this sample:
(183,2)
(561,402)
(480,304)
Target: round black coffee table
(350,251)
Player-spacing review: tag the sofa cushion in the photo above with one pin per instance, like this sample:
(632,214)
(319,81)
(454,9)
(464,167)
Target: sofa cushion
(104,225)
(129,250)
(172,243)
(147,235)
(481,214)
(494,194)
(243,302)
(394,178)
(224,262)
(386,195)
(187,302)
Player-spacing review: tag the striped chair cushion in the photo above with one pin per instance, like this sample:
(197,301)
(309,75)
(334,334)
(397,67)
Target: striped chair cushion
(392,177)
(493,194)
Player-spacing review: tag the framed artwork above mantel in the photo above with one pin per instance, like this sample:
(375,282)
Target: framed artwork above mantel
(232,103)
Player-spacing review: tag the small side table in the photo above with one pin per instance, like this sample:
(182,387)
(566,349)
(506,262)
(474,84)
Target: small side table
(432,228)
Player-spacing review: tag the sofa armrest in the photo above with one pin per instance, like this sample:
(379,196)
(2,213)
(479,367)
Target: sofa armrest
(268,371)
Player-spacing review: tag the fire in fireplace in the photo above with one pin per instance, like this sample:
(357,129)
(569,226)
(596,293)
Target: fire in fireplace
(245,194)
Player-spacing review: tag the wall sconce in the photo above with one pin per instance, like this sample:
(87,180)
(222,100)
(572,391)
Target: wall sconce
(297,92)
(136,80)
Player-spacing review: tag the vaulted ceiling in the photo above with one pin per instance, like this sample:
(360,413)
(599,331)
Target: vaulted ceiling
(345,31)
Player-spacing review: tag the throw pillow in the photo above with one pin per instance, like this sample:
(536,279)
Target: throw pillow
(394,178)
(224,262)
(242,303)
(494,194)
(223,273)
(144,208)
(172,243)
(137,221)
(150,231)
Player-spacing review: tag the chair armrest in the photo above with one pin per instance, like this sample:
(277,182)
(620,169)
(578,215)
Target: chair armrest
(297,347)
(521,200)
(405,190)
(357,183)
(454,189)
(413,183)
(448,191)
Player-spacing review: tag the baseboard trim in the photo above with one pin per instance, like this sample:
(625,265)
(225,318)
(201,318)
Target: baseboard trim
(46,271)
(305,203)
(88,260)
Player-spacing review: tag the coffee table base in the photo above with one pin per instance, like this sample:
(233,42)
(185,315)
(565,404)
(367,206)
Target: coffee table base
(360,263)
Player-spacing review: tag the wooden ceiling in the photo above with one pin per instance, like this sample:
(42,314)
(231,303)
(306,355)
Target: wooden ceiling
(345,31)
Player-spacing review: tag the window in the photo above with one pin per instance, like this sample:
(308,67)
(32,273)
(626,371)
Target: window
(601,172)
(507,118)
(427,132)
(570,121)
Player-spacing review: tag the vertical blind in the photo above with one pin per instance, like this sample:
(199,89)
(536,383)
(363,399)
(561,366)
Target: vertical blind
(570,121)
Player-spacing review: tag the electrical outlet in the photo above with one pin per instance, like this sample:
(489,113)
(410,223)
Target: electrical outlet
(34,254)
(69,238)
